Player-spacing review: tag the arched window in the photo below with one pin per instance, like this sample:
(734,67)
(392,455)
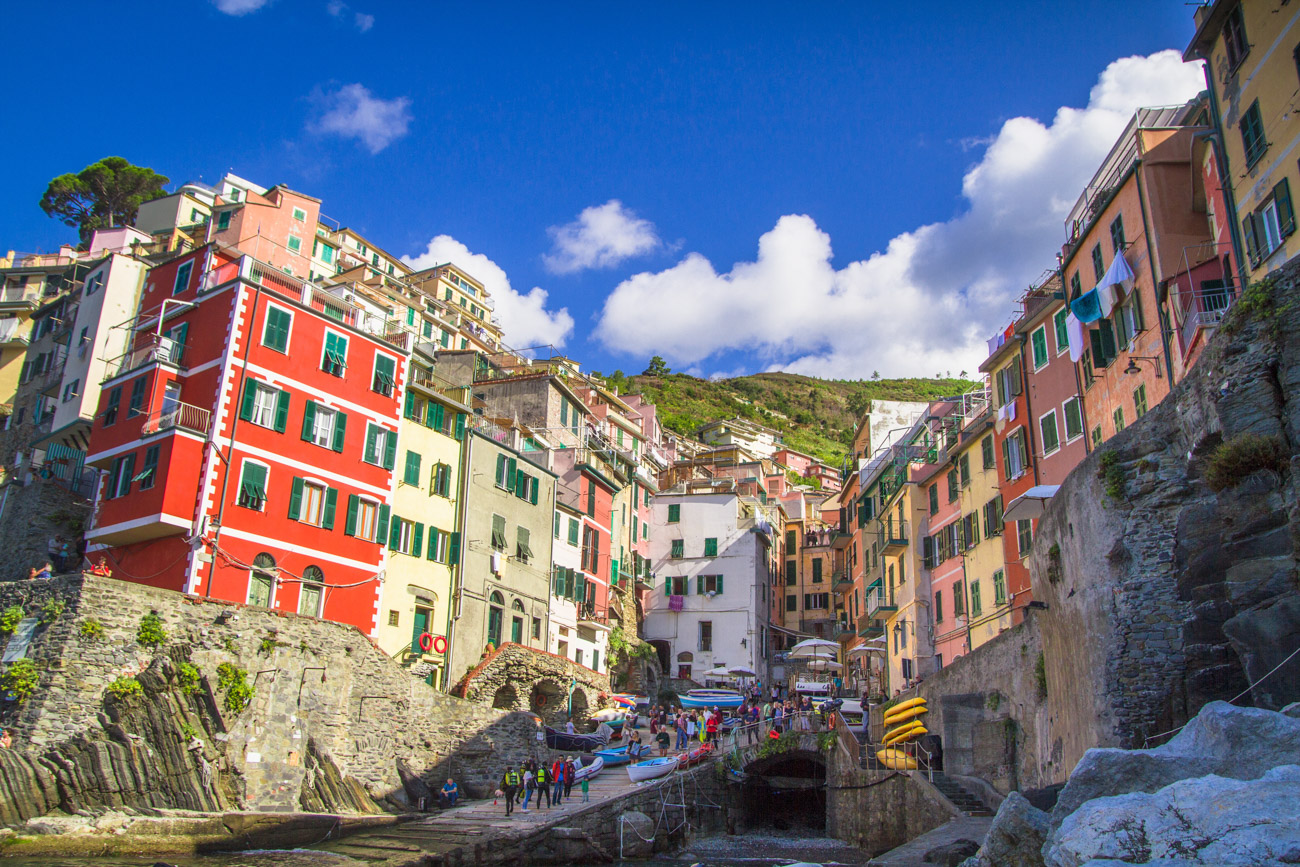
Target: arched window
(312,592)
(495,616)
(517,605)
(261,581)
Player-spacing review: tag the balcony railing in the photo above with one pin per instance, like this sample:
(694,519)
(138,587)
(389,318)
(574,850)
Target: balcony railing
(588,613)
(893,534)
(1205,311)
(20,295)
(879,602)
(155,348)
(178,415)
(868,626)
(841,581)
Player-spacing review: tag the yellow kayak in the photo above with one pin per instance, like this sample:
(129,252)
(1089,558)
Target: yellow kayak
(902,707)
(915,730)
(910,714)
(896,760)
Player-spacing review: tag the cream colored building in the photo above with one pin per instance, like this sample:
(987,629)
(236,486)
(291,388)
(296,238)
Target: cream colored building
(988,605)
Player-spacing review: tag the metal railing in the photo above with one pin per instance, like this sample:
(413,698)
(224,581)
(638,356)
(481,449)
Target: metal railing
(877,600)
(178,415)
(155,348)
(1205,310)
(19,295)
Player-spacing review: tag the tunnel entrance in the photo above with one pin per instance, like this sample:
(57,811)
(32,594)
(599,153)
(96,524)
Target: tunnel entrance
(786,792)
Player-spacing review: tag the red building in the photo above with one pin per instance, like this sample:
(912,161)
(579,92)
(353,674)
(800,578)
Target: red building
(248,440)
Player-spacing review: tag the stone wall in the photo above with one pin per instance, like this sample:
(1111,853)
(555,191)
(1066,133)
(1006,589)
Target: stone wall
(514,677)
(330,721)
(39,521)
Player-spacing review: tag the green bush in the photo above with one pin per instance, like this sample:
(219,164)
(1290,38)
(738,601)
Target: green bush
(91,628)
(1233,460)
(233,682)
(10,618)
(1112,474)
(1040,675)
(125,688)
(188,731)
(20,679)
(51,610)
(151,632)
(189,677)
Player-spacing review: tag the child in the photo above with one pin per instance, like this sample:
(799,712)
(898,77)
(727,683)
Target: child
(585,797)
(663,739)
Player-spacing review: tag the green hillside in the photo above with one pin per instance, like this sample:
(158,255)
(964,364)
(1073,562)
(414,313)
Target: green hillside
(816,416)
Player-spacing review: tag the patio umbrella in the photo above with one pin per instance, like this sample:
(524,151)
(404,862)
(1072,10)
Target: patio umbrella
(718,672)
(742,671)
(821,664)
(1030,504)
(814,647)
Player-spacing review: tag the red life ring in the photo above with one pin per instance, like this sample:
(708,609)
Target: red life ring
(440,644)
(426,642)
(541,699)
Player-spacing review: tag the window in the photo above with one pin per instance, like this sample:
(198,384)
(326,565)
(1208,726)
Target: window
(708,584)
(711,547)
(394,618)
(1038,342)
(405,537)
(312,503)
(385,375)
(963,469)
(507,471)
(1140,401)
(816,601)
(1118,417)
(573,531)
(591,497)
(952,485)
(334,360)
(495,614)
(183,277)
(119,479)
(324,252)
(223,220)
(1015,454)
(1096,436)
(275,329)
(1051,433)
(498,538)
(1128,322)
(976,606)
(791,572)
(440,482)
(675,586)
(323,426)
(295,244)
(1076,286)
(938,606)
(1058,325)
(1073,419)
(309,597)
(71,390)
(999,588)
(523,552)
(1085,360)
(265,406)
(299,214)
(261,581)
(149,476)
(706,635)
(1103,343)
(537,634)
(252,485)
(1234,37)
(1270,223)
(137,397)
(1008,382)
(1252,134)
(381,446)
(958,599)
(934,499)
(1025,537)
(1098,265)
(674,513)
(411,472)
(678,549)
(986,453)
(110,410)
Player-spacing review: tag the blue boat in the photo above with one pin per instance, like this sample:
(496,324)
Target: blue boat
(711,698)
(620,756)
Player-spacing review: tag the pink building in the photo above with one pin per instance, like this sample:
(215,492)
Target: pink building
(940,507)
(1051,384)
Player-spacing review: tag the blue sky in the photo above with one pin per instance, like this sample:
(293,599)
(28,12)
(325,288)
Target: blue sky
(874,148)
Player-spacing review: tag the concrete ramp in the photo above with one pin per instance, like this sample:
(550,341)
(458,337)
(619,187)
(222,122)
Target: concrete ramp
(974,828)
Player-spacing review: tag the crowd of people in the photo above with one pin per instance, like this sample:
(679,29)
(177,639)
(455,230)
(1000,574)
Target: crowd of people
(553,782)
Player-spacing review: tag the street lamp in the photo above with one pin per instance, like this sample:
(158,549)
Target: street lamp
(1133,369)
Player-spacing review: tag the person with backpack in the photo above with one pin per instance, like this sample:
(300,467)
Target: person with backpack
(543,778)
(529,773)
(509,785)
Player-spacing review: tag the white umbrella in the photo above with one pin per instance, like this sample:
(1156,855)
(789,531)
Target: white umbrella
(742,671)
(718,672)
(863,650)
(814,647)
(821,664)
(1031,503)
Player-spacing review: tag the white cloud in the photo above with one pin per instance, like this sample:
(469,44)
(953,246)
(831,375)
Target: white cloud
(931,298)
(239,7)
(339,10)
(352,112)
(525,321)
(601,237)
(364,22)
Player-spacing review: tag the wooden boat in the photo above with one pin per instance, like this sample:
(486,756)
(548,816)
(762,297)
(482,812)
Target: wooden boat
(711,698)
(651,769)
(577,743)
(589,769)
(896,760)
(620,755)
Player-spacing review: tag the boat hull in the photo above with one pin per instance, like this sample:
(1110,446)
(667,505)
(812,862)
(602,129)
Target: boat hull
(590,769)
(896,760)
(576,743)
(698,699)
(620,755)
(651,770)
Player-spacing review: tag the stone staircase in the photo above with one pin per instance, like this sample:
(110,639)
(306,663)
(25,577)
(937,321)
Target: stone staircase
(952,790)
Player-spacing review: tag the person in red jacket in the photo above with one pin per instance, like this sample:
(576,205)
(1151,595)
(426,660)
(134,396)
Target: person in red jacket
(711,725)
(557,775)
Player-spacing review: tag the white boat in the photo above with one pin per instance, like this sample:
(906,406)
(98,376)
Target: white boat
(651,769)
(590,769)
(710,698)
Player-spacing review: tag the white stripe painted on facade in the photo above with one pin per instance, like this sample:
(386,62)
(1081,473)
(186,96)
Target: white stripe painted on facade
(300,549)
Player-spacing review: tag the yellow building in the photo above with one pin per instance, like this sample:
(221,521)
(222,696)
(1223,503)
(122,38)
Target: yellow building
(415,601)
(987,602)
(1250,68)
(27,283)
(468,305)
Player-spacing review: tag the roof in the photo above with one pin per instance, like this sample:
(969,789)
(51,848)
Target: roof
(1209,23)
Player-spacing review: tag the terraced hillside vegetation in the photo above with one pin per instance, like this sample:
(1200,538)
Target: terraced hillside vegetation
(816,416)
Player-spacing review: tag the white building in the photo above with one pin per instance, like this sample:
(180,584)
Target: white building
(710,605)
(585,642)
(759,441)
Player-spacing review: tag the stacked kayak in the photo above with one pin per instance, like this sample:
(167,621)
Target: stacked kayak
(902,726)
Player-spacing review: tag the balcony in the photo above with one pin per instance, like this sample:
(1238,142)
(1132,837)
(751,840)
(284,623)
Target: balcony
(590,615)
(869,627)
(20,298)
(879,602)
(154,349)
(893,536)
(841,582)
(1205,311)
(11,333)
(173,416)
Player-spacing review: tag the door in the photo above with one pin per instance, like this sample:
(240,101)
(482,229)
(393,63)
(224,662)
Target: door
(259,590)
(517,630)
(418,627)
(171,402)
(494,626)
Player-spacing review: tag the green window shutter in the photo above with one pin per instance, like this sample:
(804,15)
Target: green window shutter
(1285,212)
(512,472)
(390,449)
(434,533)
(437,416)
(460,425)
(372,444)
(281,411)
(1107,339)
(394,532)
(295,499)
(668,586)
(573,531)
(246,406)
(533,496)
(381,525)
(340,430)
(411,474)
(501,471)
(1098,353)
(719,577)
(711,547)
(453,549)
(591,497)
(674,513)
(1006,458)
(327,513)
(1248,227)
(699,585)
(350,524)
(308,419)
(417,540)
(409,412)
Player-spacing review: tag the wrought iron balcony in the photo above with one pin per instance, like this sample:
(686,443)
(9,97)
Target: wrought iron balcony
(879,602)
(893,535)
(177,415)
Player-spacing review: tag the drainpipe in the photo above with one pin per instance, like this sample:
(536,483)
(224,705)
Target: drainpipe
(457,581)
(1146,229)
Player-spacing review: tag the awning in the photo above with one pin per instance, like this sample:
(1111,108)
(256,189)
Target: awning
(1030,504)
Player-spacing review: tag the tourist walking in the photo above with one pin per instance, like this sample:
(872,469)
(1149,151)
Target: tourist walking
(529,772)
(543,785)
(557,777)
(509,785)
(569,772)
(681,731)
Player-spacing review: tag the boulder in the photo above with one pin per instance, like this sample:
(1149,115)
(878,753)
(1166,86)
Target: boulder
(637,833)
(1237,742)
(951,854)
(1208,820)
(1016,837)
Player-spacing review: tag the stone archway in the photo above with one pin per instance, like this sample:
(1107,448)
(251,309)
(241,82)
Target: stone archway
(547,701)
(506,698)
(581,708)
(785,791)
